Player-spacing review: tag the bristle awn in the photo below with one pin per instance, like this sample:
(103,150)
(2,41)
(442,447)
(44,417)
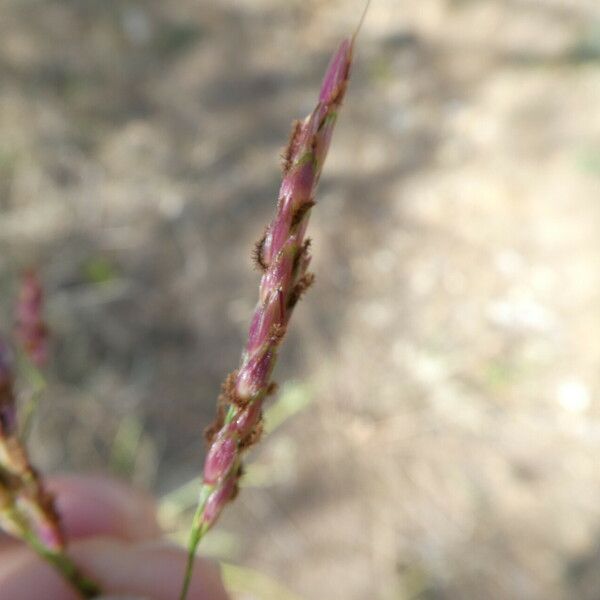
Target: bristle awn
(362,20)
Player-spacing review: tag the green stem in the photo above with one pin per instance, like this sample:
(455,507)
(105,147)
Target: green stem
(197,532)
(65,566)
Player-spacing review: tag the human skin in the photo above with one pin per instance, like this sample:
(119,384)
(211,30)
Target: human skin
(115,539)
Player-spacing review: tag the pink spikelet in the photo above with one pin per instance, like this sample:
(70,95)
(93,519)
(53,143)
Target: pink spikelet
(283,257)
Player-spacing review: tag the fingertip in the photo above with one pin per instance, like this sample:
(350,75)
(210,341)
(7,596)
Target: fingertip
(99,505)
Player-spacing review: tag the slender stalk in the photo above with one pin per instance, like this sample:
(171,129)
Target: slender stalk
(196,535)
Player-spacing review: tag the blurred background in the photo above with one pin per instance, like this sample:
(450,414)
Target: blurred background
(438,431)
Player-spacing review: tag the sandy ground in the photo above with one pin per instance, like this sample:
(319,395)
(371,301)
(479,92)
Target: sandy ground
(449,352)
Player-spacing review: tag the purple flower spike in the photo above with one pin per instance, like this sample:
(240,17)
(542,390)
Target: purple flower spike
(283,257)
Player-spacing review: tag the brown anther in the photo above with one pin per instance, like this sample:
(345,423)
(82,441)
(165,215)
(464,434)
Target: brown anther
(300,289)
(256,433)
(257,254)
(228,393)
(302,251)
(272,389)
(288,153)
(226,397)
(301,211)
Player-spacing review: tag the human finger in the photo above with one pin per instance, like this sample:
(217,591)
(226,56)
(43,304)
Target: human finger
(149,571)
